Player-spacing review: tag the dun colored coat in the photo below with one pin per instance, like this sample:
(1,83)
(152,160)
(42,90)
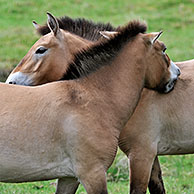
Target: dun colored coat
(41,50)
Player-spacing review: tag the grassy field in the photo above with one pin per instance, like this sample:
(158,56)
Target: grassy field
(174,17)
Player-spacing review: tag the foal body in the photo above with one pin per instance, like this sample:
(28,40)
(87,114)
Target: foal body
(66,132)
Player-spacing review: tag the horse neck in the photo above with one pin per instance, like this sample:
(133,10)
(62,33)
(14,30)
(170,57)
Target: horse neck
(120,84)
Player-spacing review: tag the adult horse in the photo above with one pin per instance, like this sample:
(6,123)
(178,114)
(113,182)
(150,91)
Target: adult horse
(78,34)
(61,130)
(166,129)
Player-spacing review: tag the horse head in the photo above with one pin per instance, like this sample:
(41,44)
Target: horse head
(47,60)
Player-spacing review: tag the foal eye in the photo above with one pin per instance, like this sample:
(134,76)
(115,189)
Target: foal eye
(41,50)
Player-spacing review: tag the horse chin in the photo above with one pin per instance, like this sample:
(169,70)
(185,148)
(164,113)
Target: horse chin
(168,87)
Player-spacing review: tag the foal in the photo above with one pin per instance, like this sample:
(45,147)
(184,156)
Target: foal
(71,128)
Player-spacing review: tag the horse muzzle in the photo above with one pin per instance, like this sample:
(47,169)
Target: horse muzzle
(19,78)
(174,74)
(170,86)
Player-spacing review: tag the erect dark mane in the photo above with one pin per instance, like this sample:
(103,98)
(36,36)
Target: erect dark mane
(80,26)
(101,54)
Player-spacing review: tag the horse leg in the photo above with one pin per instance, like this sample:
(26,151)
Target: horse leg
(94,181)
(140,169)
(67,186)
(156,185)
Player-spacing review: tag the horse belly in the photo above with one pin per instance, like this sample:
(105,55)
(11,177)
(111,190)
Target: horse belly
(176,141)
(33,154)
(34,135)
(14,169)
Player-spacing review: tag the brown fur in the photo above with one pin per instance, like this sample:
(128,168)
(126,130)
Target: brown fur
(107,51)
(66,128)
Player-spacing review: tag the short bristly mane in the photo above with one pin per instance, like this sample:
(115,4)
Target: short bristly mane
(80,26)
(101,54)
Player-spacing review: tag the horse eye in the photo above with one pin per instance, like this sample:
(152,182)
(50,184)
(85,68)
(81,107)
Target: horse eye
(41,50)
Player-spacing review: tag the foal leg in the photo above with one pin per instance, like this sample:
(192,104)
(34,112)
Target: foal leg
(67,186)
(156,185)
(94,181)
(140,169)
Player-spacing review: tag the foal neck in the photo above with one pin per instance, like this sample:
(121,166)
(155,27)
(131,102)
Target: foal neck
(111,74)
(119,84)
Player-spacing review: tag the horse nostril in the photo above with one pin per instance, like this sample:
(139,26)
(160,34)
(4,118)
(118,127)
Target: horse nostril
(12,82)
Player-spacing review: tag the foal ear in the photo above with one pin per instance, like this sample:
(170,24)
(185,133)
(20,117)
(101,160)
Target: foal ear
(154,36)
(53,24)
(108,34)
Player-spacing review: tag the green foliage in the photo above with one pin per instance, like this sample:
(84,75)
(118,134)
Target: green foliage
(119,169)
(174,17)
(48,187)
(178,173)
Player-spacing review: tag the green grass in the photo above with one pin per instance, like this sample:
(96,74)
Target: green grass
(174,17)
(178,175)
(48,187)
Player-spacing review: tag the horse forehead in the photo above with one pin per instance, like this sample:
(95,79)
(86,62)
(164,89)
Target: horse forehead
(47,40)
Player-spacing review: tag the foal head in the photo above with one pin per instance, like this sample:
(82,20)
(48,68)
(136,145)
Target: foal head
(165,74)
(161,73)
(47,60)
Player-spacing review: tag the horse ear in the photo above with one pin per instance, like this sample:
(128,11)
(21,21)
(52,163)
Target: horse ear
(37,26)
(108,34)
(154,36)
(53,24)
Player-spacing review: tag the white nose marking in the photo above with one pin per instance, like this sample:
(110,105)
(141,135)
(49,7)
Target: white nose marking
(19,78)
(174,73)
(174,70)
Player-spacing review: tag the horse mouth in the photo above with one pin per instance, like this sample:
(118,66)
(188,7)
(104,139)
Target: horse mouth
(169,86)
